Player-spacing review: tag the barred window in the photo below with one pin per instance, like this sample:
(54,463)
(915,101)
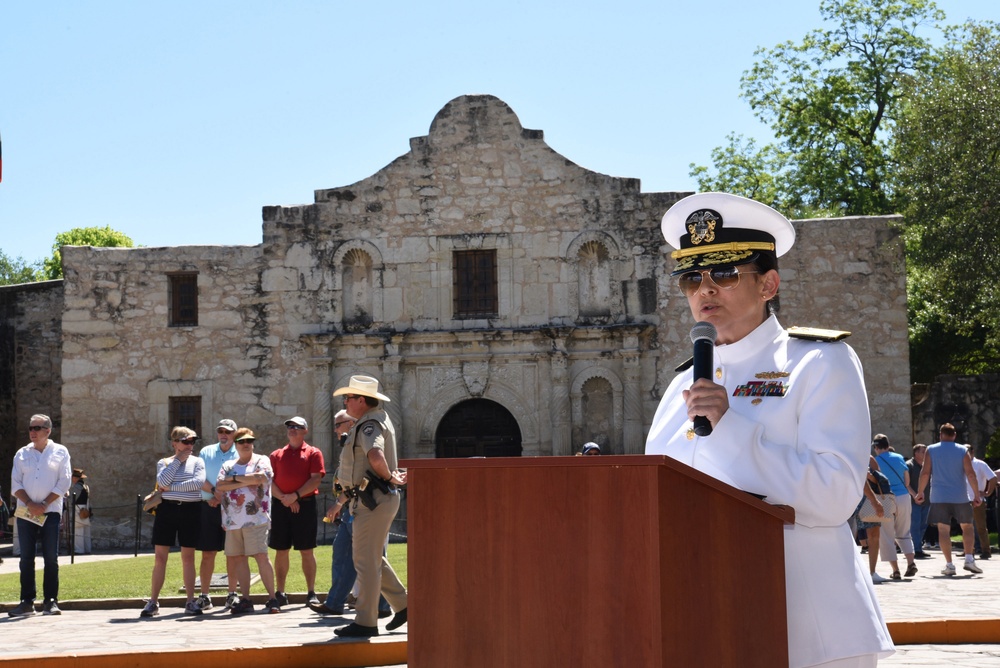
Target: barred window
(183,300)
(186,412)
(475,283)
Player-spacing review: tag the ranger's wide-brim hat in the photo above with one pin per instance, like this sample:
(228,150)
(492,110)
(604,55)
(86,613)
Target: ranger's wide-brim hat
(717,229)
(366,386)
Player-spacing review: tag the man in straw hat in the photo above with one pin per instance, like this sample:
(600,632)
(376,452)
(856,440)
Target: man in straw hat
(370,479)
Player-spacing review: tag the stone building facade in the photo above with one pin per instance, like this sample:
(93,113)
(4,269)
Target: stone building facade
(509,301)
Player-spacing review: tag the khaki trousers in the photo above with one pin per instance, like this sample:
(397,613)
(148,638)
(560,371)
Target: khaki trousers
(375,575)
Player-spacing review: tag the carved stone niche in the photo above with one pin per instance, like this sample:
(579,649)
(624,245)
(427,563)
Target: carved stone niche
(476,376)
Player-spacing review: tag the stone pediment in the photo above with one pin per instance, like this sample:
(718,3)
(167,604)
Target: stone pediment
(477,143)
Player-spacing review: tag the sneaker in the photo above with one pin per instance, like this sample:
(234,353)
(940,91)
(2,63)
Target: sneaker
(911,570)
(231,599)
(281,598)
(949,569)
(152,609)
(192,608)
(272,606)
(971,567)
(24,609)
(204,602)
(243,607)
(312,599)
(51,607)
(878,579)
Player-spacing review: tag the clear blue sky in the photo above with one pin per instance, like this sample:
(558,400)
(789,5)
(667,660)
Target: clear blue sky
(175,122)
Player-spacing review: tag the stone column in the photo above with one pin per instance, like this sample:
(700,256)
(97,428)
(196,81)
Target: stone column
(634,439)
(392,387)
(559,407)
(322,353)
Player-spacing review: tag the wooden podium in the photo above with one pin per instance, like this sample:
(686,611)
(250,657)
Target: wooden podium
(590,561)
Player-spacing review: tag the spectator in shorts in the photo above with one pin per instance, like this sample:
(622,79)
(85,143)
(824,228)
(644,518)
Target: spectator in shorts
(298,471)
(211,537)
(178,518)
(949,466)
(245,484)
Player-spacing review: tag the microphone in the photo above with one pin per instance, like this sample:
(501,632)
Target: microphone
(703,337)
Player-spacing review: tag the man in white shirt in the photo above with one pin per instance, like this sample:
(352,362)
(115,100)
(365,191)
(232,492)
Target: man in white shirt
(987,481)
(40,478)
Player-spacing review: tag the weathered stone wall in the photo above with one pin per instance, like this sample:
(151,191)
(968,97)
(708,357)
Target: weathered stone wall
(971,403)
(30,357)
(589,328)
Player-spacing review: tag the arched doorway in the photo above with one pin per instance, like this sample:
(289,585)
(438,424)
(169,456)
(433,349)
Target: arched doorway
(478,428)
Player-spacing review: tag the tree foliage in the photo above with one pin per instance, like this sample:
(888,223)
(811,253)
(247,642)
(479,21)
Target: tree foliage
(14,271)
(948,149)
(831,102)
(99,237)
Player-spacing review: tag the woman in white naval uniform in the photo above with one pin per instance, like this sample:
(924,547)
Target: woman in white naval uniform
(790,421)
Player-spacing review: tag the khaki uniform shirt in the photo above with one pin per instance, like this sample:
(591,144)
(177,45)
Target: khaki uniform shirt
(372,430)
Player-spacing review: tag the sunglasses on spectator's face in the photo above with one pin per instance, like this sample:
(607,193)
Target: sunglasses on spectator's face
(36,427)
(294,426)
(246,439)
(342,422)
(222,431)
(186,441)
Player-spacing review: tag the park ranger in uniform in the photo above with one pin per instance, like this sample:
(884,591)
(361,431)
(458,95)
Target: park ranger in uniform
(370,479)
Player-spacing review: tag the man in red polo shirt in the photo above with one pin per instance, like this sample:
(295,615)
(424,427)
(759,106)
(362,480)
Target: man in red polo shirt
(298,470)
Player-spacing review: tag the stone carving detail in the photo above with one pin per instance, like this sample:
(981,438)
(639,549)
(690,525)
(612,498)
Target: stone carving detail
(476,376)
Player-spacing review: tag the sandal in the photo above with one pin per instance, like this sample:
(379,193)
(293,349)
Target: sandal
(896,576)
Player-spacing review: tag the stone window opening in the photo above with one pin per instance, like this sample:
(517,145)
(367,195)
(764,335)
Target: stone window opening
(475,283)
(183,300)
(185,412)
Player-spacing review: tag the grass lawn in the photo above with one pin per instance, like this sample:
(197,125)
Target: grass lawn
(129,577)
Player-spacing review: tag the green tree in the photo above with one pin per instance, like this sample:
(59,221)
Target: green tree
(99,237)
(15,271)
(831,102)
(948,149)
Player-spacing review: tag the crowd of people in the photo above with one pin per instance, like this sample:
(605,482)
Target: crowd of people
(232,499)
(940,484)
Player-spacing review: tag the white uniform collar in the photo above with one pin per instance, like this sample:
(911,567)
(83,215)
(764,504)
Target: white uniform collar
(765,334)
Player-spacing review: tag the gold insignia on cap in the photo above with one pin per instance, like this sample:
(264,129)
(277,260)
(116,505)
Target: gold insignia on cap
(701,226)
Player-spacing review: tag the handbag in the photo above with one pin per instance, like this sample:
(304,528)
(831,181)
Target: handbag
(881,484)
(151,501)
(85,513)
(867,511)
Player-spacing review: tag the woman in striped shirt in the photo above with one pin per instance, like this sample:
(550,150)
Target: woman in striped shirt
(178,517)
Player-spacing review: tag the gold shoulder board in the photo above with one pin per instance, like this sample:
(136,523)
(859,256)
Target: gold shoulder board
(685,365)
(815,334)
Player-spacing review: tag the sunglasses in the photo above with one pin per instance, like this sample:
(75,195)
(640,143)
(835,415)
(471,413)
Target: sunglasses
(294,426)
(337,424)
(724,278)
(222,431)
(186,441)
(245,440)
(36,427)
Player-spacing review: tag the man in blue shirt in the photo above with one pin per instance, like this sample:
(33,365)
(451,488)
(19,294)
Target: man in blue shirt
(898,530)
(950,466)
(211,537)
